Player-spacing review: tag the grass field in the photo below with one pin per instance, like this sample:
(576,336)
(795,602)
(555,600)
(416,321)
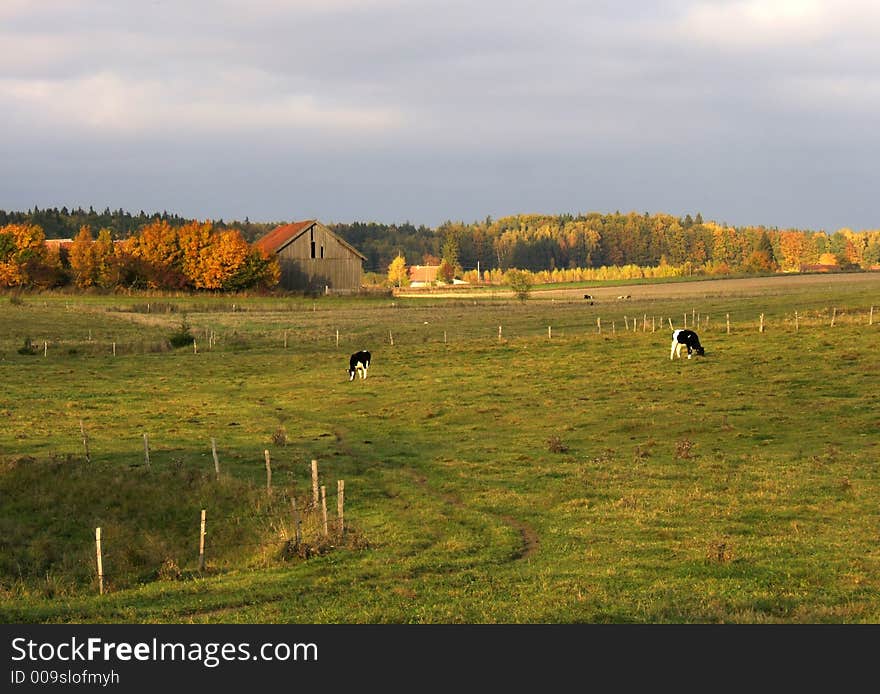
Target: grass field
(528,475)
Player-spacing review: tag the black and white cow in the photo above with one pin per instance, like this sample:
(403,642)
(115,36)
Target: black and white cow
(358,365)
(589,297)
(685,338)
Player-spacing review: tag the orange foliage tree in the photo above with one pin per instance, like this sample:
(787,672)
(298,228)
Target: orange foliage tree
(82,258)
(22,253)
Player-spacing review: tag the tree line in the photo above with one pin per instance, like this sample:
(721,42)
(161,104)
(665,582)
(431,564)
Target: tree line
(547,245)
(194,255)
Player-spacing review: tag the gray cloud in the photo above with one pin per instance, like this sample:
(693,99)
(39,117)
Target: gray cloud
(748,111)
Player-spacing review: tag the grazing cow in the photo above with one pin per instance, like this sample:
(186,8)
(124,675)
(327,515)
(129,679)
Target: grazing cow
(589,297)
(358,363)
(624,296)
(685,338)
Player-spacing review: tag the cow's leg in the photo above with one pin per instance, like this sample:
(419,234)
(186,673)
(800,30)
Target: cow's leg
(672,350)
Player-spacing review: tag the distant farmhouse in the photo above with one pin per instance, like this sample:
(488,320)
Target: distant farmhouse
(313,258)
(422,275)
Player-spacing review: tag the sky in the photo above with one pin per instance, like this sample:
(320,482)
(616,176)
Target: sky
(747,111)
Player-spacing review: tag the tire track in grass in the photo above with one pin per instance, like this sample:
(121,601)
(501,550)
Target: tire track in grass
(529,539)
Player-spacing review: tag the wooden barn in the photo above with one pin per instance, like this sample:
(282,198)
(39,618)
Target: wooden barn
(313,258)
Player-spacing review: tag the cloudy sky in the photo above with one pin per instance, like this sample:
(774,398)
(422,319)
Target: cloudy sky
(747,111)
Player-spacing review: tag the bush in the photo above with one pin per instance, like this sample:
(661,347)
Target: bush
(182,336)
(28,347)
(520,282)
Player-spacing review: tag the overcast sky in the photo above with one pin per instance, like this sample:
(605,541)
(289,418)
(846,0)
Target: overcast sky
(747,111)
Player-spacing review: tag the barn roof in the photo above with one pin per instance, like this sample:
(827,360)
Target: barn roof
(281,236)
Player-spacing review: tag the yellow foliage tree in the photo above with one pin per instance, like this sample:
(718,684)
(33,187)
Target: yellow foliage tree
(106,261)
(82,258)
(397,274)
(22,249)
(196,240)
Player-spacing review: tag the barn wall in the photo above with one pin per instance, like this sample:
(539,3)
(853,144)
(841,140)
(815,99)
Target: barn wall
(339,269)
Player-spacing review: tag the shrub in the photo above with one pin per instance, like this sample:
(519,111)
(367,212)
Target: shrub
(28,347)
(182,336)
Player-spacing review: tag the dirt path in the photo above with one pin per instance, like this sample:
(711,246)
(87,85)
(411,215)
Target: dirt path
(662,290)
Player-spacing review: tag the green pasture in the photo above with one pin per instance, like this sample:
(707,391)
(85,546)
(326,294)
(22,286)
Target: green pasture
(563,475)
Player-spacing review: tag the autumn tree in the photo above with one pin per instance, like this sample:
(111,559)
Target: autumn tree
(520,282)
(397,274)
(22,252)
(82,258)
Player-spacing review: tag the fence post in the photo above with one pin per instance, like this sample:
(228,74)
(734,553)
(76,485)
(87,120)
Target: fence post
(216,459)
(499,333)
(315,483)
(340,505)
(796,323)
(670,322)
(390,338)
(45,348)
(268,472)
(324,509)
(549,333)
(871,317)
(100,563)
(114,349)
(337,338)
(146,450)
(195,348)
(202,542)
(728,324)
(85,439)
(761,328)
(599,324)
(833,316)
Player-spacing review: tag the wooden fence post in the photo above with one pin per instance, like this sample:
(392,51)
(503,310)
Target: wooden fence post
(871,317)
(444,337)
(85,439)
(796,322)
(285,339)
(114,349)
(146,450)
(195,348)
(626,323)
(100,562)
(45,348)
(499,333)
(653,324)
(390,338)
(549,333)
(761,328)
(670,323)
(315,483)
(340,506)
(268,472)
(324,509)
(599,324)
(202,542)
(216,459)
(337,338)
(833,316)
(728,324)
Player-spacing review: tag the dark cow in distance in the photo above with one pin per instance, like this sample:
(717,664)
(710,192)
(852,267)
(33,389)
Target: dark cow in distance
(358,364)
(589,297)
(685,338)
